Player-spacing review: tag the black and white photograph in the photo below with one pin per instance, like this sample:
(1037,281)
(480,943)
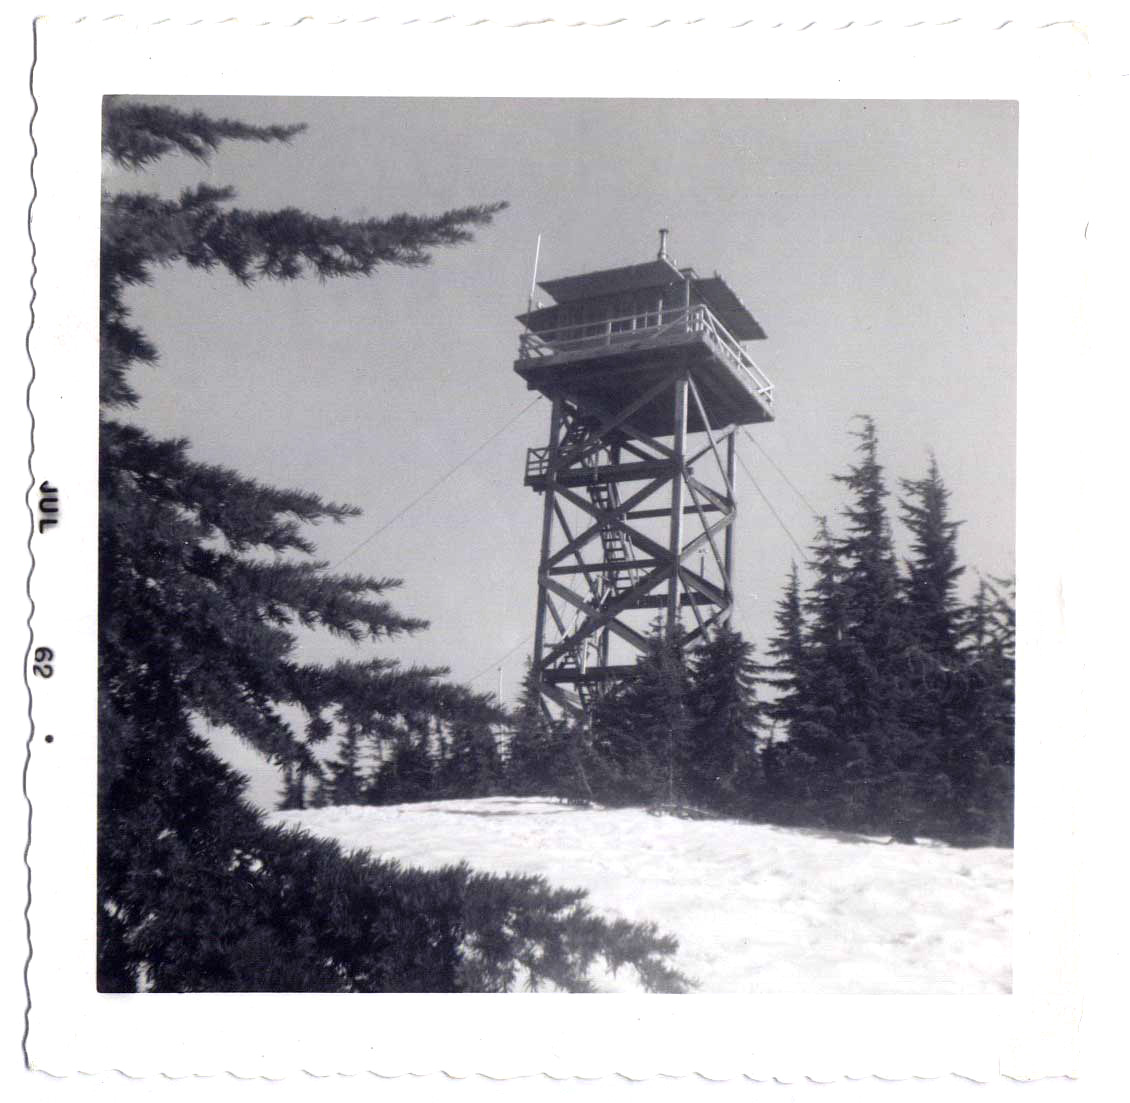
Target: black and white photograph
(662,634)
(584,539)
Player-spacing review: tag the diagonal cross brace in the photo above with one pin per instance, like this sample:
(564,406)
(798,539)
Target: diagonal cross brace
(604,517)
(612,421)
(609,416)
(710,434)
(611,517)
(600,618)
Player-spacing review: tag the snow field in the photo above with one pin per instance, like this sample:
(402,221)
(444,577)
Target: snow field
(756,909)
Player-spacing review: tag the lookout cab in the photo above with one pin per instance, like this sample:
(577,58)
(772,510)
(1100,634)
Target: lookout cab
(649,380)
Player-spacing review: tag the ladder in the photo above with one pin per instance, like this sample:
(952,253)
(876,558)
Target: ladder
(617,544)
(617,548)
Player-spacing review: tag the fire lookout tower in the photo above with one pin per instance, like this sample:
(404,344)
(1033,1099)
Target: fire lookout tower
(649,380)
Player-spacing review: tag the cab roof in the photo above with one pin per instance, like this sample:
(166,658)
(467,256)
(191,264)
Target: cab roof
(655,274)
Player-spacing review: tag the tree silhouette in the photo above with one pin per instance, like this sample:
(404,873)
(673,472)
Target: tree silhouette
(205,575)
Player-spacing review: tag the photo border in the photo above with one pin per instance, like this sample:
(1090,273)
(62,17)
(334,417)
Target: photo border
(72,1028)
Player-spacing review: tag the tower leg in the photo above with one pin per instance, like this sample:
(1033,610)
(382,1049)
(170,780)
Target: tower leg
(728,554)
(675,542)
(546,534)
(611,573)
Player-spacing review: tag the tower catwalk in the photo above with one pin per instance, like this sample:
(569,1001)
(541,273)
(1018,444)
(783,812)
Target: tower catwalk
(649,382)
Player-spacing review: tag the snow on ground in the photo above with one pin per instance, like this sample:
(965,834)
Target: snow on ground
(756,909)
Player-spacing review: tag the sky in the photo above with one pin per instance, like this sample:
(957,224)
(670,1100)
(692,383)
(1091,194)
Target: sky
(875,242)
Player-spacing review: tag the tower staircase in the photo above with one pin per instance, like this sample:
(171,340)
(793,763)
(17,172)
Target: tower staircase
(616,545)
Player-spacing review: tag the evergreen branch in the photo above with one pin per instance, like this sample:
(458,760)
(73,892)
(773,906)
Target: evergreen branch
(137,134)
(289,243)
(245,511)
(141,230)
(303,593)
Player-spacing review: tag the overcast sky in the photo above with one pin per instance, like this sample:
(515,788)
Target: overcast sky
(874,241)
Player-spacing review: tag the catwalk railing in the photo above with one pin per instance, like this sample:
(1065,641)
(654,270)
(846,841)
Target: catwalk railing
(642,329)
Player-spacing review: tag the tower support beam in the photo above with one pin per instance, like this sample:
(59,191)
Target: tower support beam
(547,529)
(731,476)
(600,581)
(676,540)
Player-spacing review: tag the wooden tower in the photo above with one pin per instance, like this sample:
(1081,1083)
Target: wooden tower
(649,381)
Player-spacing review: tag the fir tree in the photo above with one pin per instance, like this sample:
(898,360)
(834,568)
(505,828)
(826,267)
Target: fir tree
(933,628)
(877,633)
(871,590)
(786,673)
(537,757)
(722,764)
(787,653)
(640,728)
(980,760)
(895,699)
(291,797)
(197,625)
(933,570)
(472,766)
(344,778)
(410,772)
(821,772)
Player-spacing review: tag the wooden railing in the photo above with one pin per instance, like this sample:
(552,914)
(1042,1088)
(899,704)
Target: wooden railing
(537,462)
(645,329)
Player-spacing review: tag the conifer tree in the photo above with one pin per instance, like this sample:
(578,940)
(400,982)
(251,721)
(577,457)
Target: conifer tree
(933,570)
(895,699)
(641,727)
(877,633)
(933,629)
(291,795)
(529,726)
(197,625)
(537,758)
(472,766)
(980,760)
(787,653)
(786,673)
(344,779)
(411,772)
(871,590)
(723,768)
(821,772)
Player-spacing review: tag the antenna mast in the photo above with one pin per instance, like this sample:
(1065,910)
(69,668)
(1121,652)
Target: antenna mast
(534,277)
